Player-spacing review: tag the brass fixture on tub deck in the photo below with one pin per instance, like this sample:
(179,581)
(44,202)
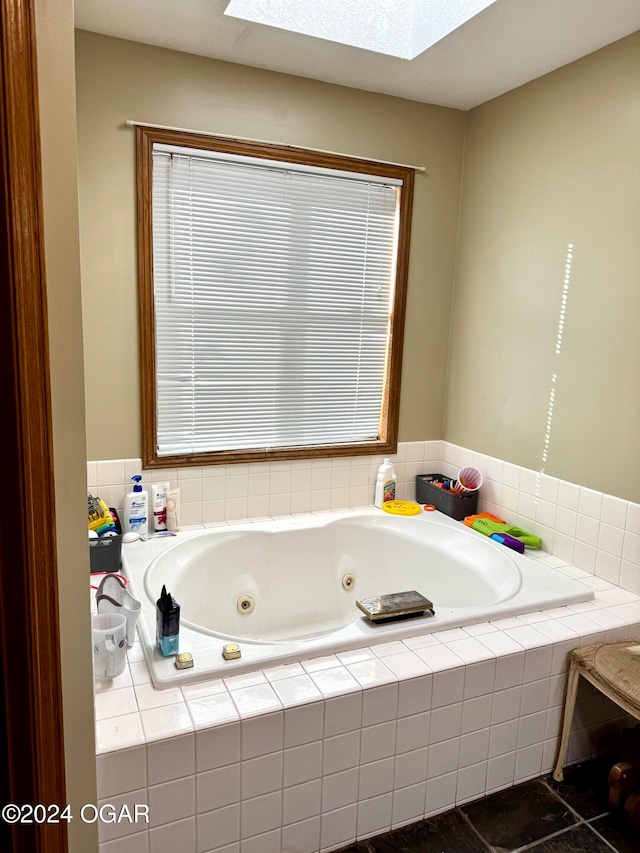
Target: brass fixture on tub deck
(231,651)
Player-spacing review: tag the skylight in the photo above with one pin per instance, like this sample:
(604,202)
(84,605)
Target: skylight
(402,28)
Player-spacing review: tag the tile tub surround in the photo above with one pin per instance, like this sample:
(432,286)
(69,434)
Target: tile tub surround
(312,756)
(316,755)
(595,532)
(221,493)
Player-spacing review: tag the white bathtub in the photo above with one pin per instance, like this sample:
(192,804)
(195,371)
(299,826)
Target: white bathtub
(294,568)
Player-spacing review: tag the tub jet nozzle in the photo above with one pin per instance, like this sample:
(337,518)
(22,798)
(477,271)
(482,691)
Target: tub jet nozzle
(246,604)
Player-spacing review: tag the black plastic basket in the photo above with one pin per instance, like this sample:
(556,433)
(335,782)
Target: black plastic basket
(104,554)
(455,505)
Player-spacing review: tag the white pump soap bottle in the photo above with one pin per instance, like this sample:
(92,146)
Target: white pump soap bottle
(385,483)
(136,509)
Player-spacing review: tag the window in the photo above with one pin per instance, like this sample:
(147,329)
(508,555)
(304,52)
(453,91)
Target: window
(272,287)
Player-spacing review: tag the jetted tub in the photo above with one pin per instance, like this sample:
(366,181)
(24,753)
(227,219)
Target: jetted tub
(303,577)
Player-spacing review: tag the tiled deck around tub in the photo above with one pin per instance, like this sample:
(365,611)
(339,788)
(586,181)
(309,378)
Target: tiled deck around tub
(324,753)
(540,816)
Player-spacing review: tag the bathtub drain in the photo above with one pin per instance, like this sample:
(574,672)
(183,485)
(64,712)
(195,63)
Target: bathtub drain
(348,582)
(246,604)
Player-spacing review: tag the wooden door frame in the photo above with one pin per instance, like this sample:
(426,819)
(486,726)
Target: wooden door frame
(31,734)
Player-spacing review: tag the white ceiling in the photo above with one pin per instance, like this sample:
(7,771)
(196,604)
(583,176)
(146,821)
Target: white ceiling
(506,45)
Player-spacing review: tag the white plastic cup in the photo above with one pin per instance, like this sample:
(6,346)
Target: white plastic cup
(109,645)
(113,597)
(469,480)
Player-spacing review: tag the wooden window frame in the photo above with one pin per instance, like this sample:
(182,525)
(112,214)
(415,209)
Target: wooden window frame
(388,432)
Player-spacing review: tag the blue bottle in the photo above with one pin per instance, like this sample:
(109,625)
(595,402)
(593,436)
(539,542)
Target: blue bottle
(167,624)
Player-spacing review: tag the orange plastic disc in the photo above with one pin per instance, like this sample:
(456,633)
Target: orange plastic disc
(429,507)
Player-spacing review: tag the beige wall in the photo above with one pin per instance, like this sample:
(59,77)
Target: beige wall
(552,163)
(118,79)
(55,51)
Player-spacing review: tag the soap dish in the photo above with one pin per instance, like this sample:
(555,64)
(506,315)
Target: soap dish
(397,605)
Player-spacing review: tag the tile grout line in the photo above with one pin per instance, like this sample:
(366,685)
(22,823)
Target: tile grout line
(581,821)
(468,820)
(546,838)
(580,818)
(597,817)
(533,844)
(584,820)
(601,837)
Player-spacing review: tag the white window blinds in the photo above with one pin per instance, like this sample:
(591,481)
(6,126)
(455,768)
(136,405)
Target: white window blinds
(273,287)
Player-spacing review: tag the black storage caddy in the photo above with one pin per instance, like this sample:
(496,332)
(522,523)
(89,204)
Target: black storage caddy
(105,554)
(455,505)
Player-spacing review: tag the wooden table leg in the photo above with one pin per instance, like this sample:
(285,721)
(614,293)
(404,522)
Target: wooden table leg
(569,707)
